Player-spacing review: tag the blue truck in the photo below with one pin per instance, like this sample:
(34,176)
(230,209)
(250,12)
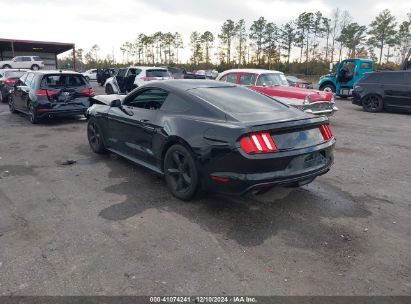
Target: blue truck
(343,75)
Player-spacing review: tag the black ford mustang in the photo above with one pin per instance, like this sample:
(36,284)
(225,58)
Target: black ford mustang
(212,135)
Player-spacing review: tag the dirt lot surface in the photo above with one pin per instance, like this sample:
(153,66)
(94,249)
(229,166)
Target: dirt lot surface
(104,226)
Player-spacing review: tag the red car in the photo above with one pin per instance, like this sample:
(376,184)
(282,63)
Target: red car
(275,84)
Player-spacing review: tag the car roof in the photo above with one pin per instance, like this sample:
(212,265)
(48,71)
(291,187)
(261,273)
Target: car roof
(256,71)
(14,70)
(44,72)
(188,84)
(147,67)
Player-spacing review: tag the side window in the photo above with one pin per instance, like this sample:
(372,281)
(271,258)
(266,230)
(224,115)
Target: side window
(121,72)
(366,65)
(133,71)
(393,78)
(23,78)
(230,78)
(175,104)
(247,79)
(18,59)
(26,58)
(93,71)
(151,99)
(29,79)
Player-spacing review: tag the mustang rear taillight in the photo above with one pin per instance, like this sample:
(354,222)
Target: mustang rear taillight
(258,143)
(326,131)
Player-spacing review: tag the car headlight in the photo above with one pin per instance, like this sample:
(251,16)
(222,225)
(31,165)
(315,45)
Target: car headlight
(307,100)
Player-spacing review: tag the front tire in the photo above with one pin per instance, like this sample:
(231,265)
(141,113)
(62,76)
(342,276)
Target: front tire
(95,137)
(6,66)
(372,103)
(181,172)
(35,67)
(328,87)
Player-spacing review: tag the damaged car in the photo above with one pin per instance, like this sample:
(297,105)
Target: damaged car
(212,135)
(47,94)
(275,84)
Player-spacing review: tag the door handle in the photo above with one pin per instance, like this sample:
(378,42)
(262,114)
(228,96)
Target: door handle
(144,120)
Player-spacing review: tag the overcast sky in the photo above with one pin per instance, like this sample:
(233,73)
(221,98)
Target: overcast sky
(109,23)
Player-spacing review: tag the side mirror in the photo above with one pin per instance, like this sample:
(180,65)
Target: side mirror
(264,84)
(116,103)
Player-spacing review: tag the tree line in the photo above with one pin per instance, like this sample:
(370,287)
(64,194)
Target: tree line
(304,45)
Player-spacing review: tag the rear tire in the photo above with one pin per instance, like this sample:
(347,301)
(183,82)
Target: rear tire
(35,67)
(181,172)
(32,114)
(372,103)
(12,107)
(109,89)
(95,137)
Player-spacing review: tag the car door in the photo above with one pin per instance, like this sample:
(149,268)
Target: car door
(121,79)
(394,88)
(18,62)
(22,91)
(132,134)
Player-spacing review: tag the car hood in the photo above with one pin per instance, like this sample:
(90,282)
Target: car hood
(106,99)
(297,93)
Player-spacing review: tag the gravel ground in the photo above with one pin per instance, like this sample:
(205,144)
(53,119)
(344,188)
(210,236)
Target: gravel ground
(104,226)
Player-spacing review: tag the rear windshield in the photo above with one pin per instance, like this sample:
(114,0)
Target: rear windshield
(13,74)
(237,99)
(63,81)
(157,73)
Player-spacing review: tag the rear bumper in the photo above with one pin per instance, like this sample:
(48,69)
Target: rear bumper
(61,112)
(285,171)
(356,98)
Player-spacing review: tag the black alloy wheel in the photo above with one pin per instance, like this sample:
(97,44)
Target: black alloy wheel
(32,114)
(12,107)
(95,138)
(372,103)
(180,172)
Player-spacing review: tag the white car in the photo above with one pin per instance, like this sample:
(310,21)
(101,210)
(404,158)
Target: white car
(23,62)
(90,74)
(127,79)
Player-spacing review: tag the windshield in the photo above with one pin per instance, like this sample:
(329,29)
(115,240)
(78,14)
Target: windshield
(237,99)
(271,79)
